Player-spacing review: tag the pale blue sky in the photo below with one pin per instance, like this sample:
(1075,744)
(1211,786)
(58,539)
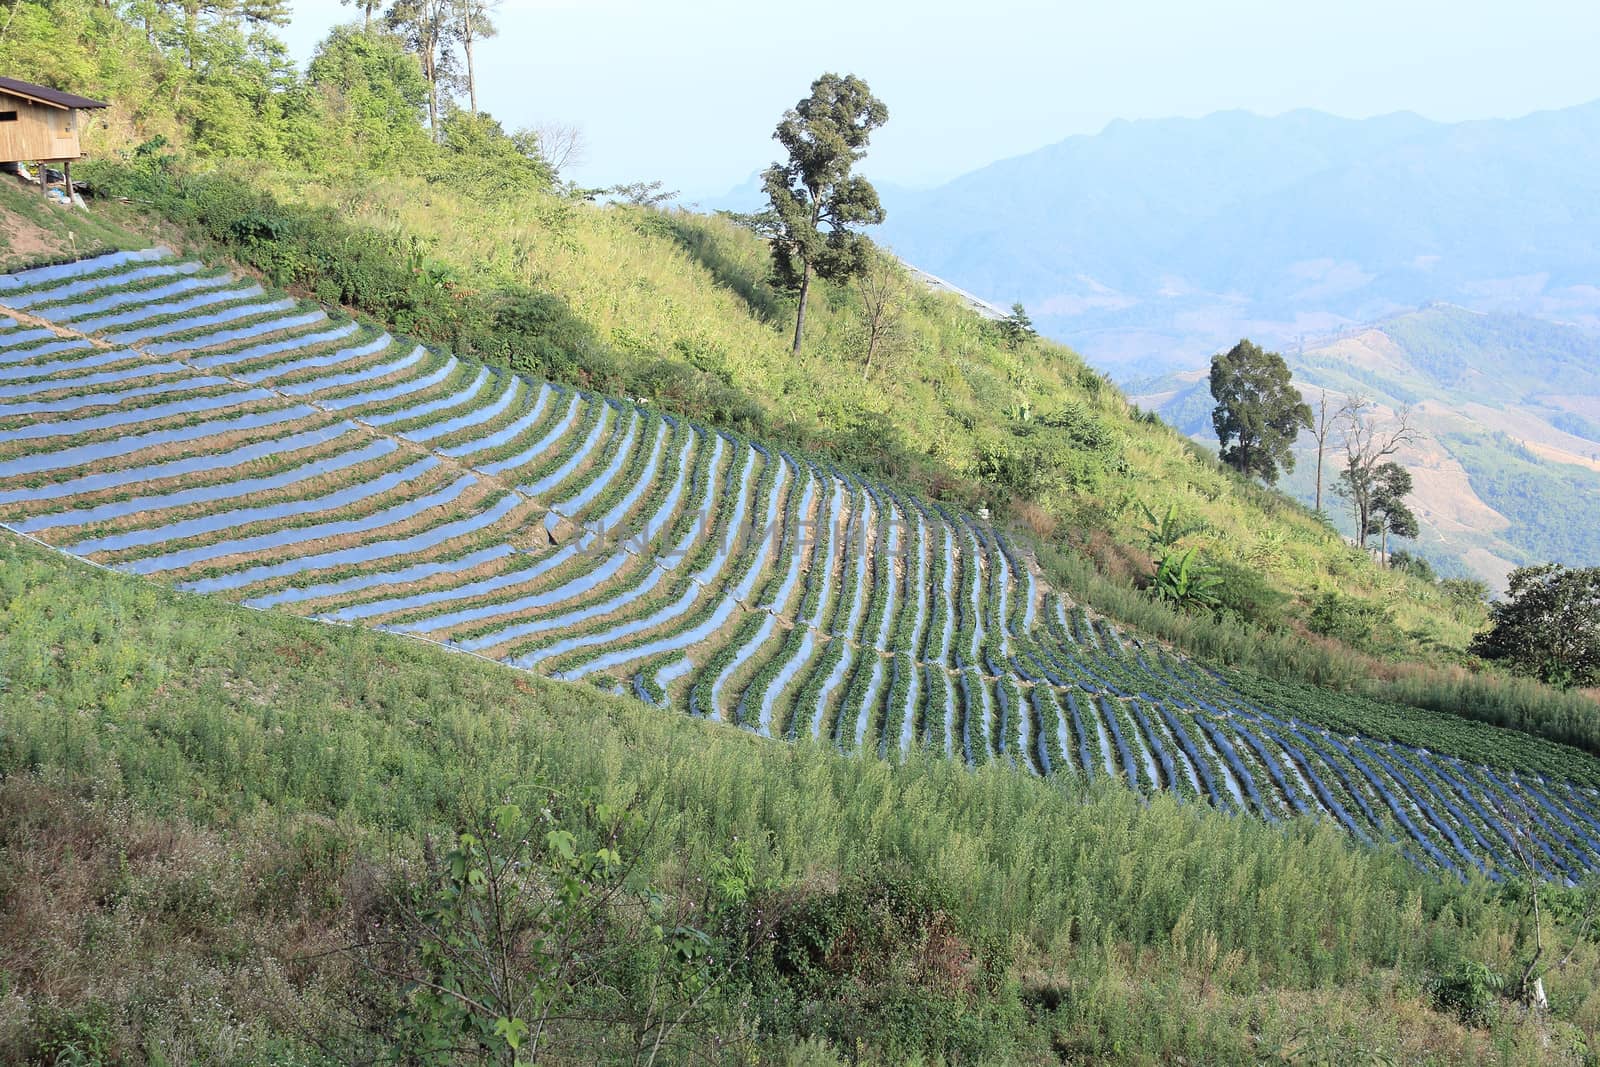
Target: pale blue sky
(689,92)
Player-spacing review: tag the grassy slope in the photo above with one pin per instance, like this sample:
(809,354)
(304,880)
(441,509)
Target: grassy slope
(685,291)
(692,289)
(197,782)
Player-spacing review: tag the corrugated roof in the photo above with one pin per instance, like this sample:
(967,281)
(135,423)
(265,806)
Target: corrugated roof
(45,95)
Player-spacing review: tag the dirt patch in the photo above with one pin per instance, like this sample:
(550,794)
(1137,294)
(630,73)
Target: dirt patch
(25,242)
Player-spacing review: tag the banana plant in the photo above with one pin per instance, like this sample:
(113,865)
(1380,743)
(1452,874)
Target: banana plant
(1164,532)
(1185,581)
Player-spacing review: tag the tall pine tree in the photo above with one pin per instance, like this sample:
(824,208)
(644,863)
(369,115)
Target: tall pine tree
(815,198)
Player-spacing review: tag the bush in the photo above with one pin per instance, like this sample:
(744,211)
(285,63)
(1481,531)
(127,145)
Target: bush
(1348,619)
(1245,595)
(1467,991)
(883,963)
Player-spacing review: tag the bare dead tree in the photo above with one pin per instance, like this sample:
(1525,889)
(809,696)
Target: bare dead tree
(883,290)
(561,145)
(1368,442)
(1319,430)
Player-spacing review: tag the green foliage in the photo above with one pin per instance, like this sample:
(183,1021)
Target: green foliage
(1017,327)
(1464,590)
(1548,627)
(375,95)
(1392,484)
(1165,531)
(1349,619)
(484,162)
(1412,564)
(1185,581)
(1258,413)
(1243,593)
(881,964)
(1468,991)
(75,1038)
(528,922)
(814,198)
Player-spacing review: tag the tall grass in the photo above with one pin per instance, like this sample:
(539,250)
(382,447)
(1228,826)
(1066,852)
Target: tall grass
(1121,913)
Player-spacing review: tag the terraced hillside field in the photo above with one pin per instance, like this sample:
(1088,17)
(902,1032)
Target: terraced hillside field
(170,420)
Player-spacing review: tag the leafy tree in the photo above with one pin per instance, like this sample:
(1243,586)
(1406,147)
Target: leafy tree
(815,200)
(1017,327)
(882,287)
(484,161)
(1548,626)
(1392,484)
(1464,590)
(376,90)
(1412,564)
(1258,412)
(651,194)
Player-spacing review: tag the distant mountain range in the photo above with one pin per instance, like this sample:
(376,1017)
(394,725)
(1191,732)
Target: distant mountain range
(1154,243)
(1509,469)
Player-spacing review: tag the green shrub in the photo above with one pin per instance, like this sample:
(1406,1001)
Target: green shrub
(1349,619)
(1246,596)
(1467,991)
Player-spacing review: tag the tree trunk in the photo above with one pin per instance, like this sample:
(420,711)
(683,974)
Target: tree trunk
(800,314)
(466,46)
(1319,474)
(433,104)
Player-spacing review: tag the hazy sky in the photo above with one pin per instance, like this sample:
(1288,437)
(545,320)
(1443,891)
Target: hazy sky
(690,92)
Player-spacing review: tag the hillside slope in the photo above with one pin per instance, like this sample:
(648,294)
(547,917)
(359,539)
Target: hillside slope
(198,802)
(166,420)
(1508,472)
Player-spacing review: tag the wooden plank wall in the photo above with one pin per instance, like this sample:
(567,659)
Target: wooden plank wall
(39,133)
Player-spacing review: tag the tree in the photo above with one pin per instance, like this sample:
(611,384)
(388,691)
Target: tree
(1017,327)
(429,32)
(367,8)
(1368,444)
(652,194)
(882,286)
(485,161)
(1548,626)
(376,90)
(561,145)
(1319,430)
(815,200)
(1258,412)
(472,25)
(1392,484)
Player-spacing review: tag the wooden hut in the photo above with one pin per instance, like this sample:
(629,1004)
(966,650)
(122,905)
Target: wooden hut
(40,125)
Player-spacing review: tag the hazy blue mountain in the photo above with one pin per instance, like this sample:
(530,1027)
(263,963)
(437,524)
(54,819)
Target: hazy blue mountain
(1154,243)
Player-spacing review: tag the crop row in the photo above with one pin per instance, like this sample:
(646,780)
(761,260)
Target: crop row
(166,419)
